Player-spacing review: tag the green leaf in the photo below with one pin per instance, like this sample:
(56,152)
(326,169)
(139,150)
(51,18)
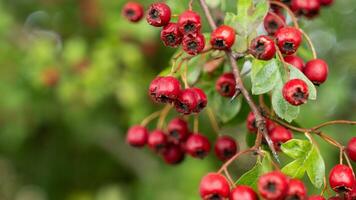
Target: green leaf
(250,139)
(213,3)
(223,108)
(316,168)
(264,76)
(296,73)
(230,19)
(294,169)
(296,148)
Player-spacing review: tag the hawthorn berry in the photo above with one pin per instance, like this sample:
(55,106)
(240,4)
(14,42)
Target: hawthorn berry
(273,185)
(296,190)
(193,45)
(133,11)
(226,85)
(270,125)
(157,140)
(173,154)
(273,21)
(189,23)
(296,61)
(351,149)
(171,36)
(317,71)
(164,89)
(326,2)
(225,147)
(251,122)
(202,100)
(288,40)
(296,92)
(341,178)
(137,136)
(178,130)
(222,38)
(280,135)
(186,101)
(214,186)
(159,14)
(352,194)
(316,197)
(243,193)
(263,48)
(197,145)
(308,8)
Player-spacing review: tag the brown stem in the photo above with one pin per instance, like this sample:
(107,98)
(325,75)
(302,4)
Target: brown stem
(333,123)
(149,118)
(310,43)
(227,163)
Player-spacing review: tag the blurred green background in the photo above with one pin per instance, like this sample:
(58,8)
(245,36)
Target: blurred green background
(73,78)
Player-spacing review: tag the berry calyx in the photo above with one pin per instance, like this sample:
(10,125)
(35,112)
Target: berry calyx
(280,135)
(173,154)
(137,136)
(243,193)
(316,197)
(164,89)
(193,45)
(262,47)
(226,85)
(189,23)
(308,8)
(197,145)
(296,61)
(214,186)
(341,178)
(157,140)
(296,92)
(288,40)
(158,14)
(296,190)
(186,101)
(225,147)
(201,98)
(317,71)
(171,36)
(273,21)
(273,185)
(351,149)
(133,11)
(251,122)
(222,38)
(178,130)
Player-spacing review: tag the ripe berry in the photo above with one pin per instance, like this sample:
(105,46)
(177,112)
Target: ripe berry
(251,122)
(262,47)
(336,198)
(178,130)
(280,135)
(133,11)
(189,23)
(288,40)
(226,85)
(137,136)
(171,36)
(193,45)
(173,154)
(157,140)
(296,190)
(222,38)
(341,178)
(273,185)
(243,193)
(352,194)
(317,71)
(164,89)
(159,14)
(225,147)
(274,21)
(186,101)
(270,125)
(214,186)
(326,2)
(197,146)
(351,149)
(316,197)
(201,99)
(308,8)
(295,61)
(296,92)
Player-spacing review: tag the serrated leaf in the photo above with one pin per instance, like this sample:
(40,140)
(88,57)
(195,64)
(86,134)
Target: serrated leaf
(264,76)
(223,108)
(295,148)
(296,73)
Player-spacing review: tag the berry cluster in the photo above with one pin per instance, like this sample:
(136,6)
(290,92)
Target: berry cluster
(309,8)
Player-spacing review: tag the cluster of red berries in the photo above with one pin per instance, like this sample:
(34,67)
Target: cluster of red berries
(307,8)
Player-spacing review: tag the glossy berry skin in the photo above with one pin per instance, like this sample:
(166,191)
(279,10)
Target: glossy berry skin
(189,23)
(173,154)
(197,145)
(226,85)
(351,149)
(225,147)
(186,101)
(158,14)
(178,130)
(273,21)
(164,89)
(317,71)
(296,61)
(243,193)
(296,190)
(251,122)
(273,185)
(193,45)
(202,99)
(133,11)
(316,197)
(308,8)
(222,38)
(263,48)
(171,36)
(280,135)
(137,136)
(270,125)
(326,2)
(296,92)
(341,178)
(157,140)
(214,186)
(288,40)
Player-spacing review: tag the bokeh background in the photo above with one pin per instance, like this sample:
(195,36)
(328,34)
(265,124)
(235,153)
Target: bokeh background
(73,78)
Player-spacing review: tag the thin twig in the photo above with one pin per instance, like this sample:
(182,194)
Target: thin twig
(310,43)
(213,120)
(149,118)
(291,14)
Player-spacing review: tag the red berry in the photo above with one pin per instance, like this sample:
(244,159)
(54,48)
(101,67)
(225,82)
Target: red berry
(157,140)
(202,100)
(193,45)
(351,149)
(251,122)
(226,85)
(186,101)
(295,61)
(137,136)
(222,38)
(288,39)
(336,198)
(280,135)
(225,147)
(308,8)
(296,92)
(214,186)
(133,11)
(164,89)
(274,21)
(263,48)
(273,186)
(178,130)
(243,193)
(296,190)
(159,14)
(317,71)
(173,154)
(189,23)
(171,36)
(270,125)
(341,178)
(352,194)
(197,146)
(316,197)
(326,2)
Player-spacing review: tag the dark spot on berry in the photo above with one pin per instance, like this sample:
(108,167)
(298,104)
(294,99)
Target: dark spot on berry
(164,99)
(192,45)
(154,14)
(299,95)
(227,153)
(175,134)
(260,47)
(293,197)
(219,43)
(171,38)
(200,153)
(288,46)
(342,189)
(271,187)
(254,124)
(225,89)
(215,197)
(273,25)
(130,13)
(189,27)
